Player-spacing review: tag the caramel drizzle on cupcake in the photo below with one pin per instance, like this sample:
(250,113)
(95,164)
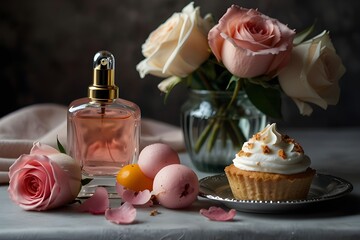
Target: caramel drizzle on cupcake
(242,153)
(265,149)
(297,147)
(250,145)
(282,154)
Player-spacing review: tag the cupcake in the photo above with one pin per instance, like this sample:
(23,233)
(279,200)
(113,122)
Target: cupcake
(270,166)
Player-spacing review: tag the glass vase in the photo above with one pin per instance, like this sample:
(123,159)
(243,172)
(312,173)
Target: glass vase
(215,127)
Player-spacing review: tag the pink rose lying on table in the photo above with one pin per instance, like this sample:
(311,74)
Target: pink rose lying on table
(44,179)
(250,43)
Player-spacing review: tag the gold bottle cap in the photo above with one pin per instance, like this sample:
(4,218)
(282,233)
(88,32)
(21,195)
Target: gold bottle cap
(103,88)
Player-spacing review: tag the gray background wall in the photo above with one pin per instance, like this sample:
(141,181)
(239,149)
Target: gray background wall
(46,50)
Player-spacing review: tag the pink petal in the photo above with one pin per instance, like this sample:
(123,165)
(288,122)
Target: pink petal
(218,214)
(136,198)
(142,199)
(149,203)
(119,189)
(42,149)
(97,203)
(125,214)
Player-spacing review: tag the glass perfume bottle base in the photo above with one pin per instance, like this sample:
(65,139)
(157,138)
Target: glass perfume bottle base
(108,183)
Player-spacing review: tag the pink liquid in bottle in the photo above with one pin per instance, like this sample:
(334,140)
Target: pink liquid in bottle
(103,129)
(103,138)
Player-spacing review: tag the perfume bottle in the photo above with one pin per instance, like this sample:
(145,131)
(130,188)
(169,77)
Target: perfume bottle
(103,130)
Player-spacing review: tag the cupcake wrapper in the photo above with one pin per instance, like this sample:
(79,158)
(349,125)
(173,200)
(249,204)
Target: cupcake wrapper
(267,186)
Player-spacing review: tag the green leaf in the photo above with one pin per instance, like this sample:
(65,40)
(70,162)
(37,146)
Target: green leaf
(168,85)
(85,181)
(60,146)
(267,100)
(264,81)
(301,36)
(232,79)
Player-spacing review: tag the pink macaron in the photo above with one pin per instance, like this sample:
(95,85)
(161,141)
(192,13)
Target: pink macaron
(156,156)
(176,186)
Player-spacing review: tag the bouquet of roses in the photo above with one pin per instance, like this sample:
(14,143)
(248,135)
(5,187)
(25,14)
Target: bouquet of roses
(245,51)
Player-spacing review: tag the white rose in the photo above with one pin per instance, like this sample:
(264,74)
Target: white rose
(313,73)
(167,84)
(178,46)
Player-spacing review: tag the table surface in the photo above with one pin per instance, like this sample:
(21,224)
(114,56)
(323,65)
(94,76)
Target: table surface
(333,151)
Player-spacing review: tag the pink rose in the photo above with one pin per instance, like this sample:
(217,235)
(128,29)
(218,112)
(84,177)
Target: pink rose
(44,179)
(249,43)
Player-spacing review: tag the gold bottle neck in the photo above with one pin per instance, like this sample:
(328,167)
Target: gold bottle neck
(103,88)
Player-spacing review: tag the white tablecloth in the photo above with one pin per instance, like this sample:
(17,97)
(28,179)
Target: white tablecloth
(333,151)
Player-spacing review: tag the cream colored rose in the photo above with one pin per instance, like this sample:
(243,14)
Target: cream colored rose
(178,46)
(313,73)
(167,84)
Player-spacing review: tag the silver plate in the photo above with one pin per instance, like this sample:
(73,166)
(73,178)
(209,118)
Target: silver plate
(323,188)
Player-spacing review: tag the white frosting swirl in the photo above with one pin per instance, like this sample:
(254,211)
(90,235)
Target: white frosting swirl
(270,151)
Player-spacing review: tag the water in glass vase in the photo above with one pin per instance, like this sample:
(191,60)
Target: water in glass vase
(215,131)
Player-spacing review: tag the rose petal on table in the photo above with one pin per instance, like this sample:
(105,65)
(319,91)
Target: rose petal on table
(149,203)
(142,199)
(119,189)
(125,214)
(218,214)
(97,203)
(136,198)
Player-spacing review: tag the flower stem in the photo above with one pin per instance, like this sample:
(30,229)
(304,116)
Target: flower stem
(203,136)
(221,123)
(236,130)
(219,119)
(214,134)
(204,79)
(234,95)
